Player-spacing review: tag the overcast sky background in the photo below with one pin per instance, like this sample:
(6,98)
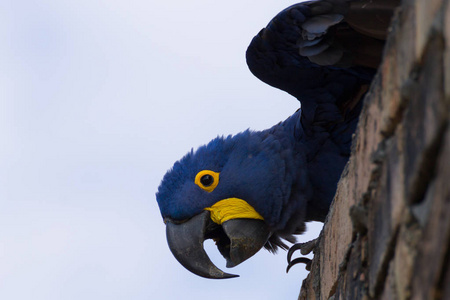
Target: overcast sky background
(97,100)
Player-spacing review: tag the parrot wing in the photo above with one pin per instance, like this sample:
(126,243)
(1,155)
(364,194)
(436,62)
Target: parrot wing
(323,51)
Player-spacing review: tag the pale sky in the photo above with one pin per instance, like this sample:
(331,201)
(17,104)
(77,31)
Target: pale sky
(97,100)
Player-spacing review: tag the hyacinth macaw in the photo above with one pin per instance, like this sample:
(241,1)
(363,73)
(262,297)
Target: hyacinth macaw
(256,188)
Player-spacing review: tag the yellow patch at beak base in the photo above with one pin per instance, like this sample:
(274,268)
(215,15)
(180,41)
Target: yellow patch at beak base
(232,208)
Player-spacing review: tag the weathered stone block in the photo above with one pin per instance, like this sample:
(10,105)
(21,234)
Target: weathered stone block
(403,261)
(352,280)
(396,183)
(446,31)
(425,16)
(390,290)
(433,249)
(424,117)
(405,29)
(385,211)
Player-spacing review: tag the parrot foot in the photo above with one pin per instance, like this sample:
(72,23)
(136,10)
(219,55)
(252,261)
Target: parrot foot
(305,249)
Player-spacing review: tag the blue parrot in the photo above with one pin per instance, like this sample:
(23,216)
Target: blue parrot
(258,188)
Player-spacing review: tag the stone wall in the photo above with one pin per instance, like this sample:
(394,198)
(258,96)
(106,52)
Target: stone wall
(387,235)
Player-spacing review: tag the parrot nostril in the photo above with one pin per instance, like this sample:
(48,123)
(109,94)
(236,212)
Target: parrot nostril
(207,180)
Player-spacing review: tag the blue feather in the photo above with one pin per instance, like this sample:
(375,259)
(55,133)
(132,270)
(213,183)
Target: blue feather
(288,172)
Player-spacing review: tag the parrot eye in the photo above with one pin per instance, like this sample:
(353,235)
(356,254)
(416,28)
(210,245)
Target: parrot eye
(207,180)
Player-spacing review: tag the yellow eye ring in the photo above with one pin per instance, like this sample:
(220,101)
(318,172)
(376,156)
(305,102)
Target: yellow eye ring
(207,180)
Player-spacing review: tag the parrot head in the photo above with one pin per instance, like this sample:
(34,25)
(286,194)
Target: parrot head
(238,191)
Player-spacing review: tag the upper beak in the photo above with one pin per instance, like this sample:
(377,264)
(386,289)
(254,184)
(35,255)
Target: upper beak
(237,240)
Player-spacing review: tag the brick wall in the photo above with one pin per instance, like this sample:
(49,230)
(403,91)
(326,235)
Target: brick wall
(387,235)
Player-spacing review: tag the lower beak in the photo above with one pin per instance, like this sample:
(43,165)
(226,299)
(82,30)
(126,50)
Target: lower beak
(236,239)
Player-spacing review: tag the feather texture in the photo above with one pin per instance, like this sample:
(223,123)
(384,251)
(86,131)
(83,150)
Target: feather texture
(323,54)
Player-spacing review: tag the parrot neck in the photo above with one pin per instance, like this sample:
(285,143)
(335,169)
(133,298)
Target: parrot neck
(324,139)
(328,141)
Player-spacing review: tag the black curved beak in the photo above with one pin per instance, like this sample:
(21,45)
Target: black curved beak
(236,239)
